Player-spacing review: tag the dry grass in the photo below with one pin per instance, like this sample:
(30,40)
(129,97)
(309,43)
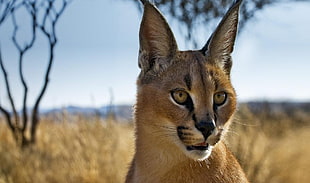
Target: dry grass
(87,152)
(272,148)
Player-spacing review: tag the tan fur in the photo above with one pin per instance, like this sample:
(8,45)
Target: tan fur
(165,129)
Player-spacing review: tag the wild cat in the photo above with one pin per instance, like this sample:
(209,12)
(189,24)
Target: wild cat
(185,103)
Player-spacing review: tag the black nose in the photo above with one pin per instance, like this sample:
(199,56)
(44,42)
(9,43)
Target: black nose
(206,127)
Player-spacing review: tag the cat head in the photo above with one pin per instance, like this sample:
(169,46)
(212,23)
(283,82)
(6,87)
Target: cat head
(186,97)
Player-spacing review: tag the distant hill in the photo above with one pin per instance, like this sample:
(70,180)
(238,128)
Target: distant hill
(274,107)
(121,112)
(125,112)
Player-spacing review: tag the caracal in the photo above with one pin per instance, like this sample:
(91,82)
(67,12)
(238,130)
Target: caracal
(185,103)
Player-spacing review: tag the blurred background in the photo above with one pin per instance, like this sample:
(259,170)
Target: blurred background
(88,50)
(97,51)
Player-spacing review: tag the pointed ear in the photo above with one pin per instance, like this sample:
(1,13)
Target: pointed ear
(221,43)
(157,42)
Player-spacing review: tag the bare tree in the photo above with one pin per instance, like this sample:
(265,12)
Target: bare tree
(44,17)
(192,12)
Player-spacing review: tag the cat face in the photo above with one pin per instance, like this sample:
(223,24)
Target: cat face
(192,102)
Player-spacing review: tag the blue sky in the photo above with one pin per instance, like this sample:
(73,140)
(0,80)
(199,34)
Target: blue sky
(98,46)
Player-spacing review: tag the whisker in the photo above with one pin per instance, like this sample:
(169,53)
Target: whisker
(246,124)
(233,132)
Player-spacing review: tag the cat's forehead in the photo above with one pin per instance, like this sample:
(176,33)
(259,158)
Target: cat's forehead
(191,57)
(191,68)
(195,63)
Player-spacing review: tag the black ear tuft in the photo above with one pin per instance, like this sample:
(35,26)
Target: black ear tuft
(144,1)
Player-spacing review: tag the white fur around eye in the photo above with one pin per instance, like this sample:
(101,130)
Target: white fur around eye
(174,102)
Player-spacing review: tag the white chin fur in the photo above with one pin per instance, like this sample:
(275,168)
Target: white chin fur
(198,155)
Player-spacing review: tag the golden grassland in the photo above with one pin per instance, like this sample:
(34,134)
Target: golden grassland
(272,147)
(84,151)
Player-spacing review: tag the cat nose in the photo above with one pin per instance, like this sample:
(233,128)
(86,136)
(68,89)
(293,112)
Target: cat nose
(206,127)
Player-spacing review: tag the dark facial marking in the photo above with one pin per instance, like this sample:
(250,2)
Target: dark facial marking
(213,78)
(181,134)
(194,118)
(189,104)
(188,81)
(201,71)
(215,107)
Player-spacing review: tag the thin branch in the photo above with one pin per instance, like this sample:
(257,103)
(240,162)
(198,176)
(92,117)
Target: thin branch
(52,42)
(8,89)
(30,7)
(8,118)
(15,31)
(33,12)
(8,6)
(46,14)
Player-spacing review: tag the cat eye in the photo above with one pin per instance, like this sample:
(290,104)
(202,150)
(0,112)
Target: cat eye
(219,98)
(180,96)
